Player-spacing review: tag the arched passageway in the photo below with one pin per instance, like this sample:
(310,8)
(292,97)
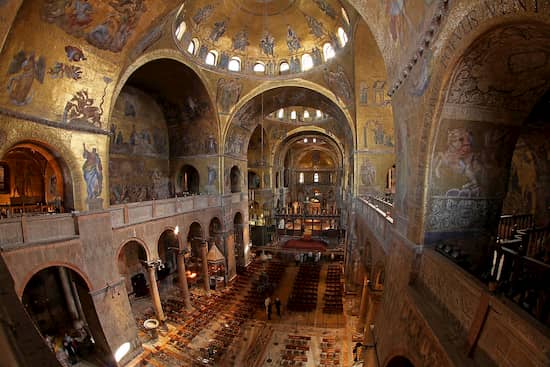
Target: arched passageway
(58,301)
(34,179)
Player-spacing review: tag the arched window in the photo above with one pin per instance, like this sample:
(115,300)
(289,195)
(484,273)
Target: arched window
(180,30)
(306,114)
(211,58)
(301,178)
(318,114)
(342,36)
(328,51)
(284,67)
(281,114)
(307,62)
(293,115)
(316,177)
(345,15)
(193,46)
(259,67)
(234,64)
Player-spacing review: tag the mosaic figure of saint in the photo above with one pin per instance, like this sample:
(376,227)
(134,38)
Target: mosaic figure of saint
(93,172)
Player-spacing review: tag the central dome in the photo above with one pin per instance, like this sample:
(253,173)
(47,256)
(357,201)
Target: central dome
(268,37)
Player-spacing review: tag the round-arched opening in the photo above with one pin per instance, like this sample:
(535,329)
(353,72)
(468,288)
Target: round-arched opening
(188,180)
(399,361)
(58,301)
(492,91)
(235,179)
(168,246)
(215,234)
(130,262)
(155,124)
(34,179)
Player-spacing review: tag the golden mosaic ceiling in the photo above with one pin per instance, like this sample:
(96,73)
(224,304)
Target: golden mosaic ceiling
(263,30)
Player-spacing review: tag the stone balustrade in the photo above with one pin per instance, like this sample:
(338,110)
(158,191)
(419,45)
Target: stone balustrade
(133,213)
(36,229)
(378,219)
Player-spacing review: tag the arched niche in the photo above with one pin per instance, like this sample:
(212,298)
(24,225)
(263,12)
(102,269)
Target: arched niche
(235,179)
(58,300)
(492,91)
(188,180)
(35,178)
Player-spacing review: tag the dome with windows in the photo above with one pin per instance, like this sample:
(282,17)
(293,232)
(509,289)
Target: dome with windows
(262,37)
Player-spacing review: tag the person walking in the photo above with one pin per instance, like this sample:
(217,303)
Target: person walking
(278,306)
(267,303)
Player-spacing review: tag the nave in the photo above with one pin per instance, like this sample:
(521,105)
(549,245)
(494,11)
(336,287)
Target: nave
(230,327)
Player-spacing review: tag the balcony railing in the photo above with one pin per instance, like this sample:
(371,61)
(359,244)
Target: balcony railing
(520,265)
(133,213)
(36,229)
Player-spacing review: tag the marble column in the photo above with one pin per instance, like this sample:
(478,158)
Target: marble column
(182,277)
(67,293)
(364,303)
(204,257)
(155,292)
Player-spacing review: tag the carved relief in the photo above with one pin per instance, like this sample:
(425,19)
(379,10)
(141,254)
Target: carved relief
(228,93)
(339,84)
(419,339)
(24,70)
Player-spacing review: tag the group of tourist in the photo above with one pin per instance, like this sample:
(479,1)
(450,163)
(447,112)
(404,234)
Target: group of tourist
(269,305)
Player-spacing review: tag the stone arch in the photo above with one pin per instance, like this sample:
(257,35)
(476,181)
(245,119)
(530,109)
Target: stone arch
(56,147)
(483,103)
(134,239)
(50,264)
(60,175)
(171,54)
(431,77)
(250,106)
(167,243)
